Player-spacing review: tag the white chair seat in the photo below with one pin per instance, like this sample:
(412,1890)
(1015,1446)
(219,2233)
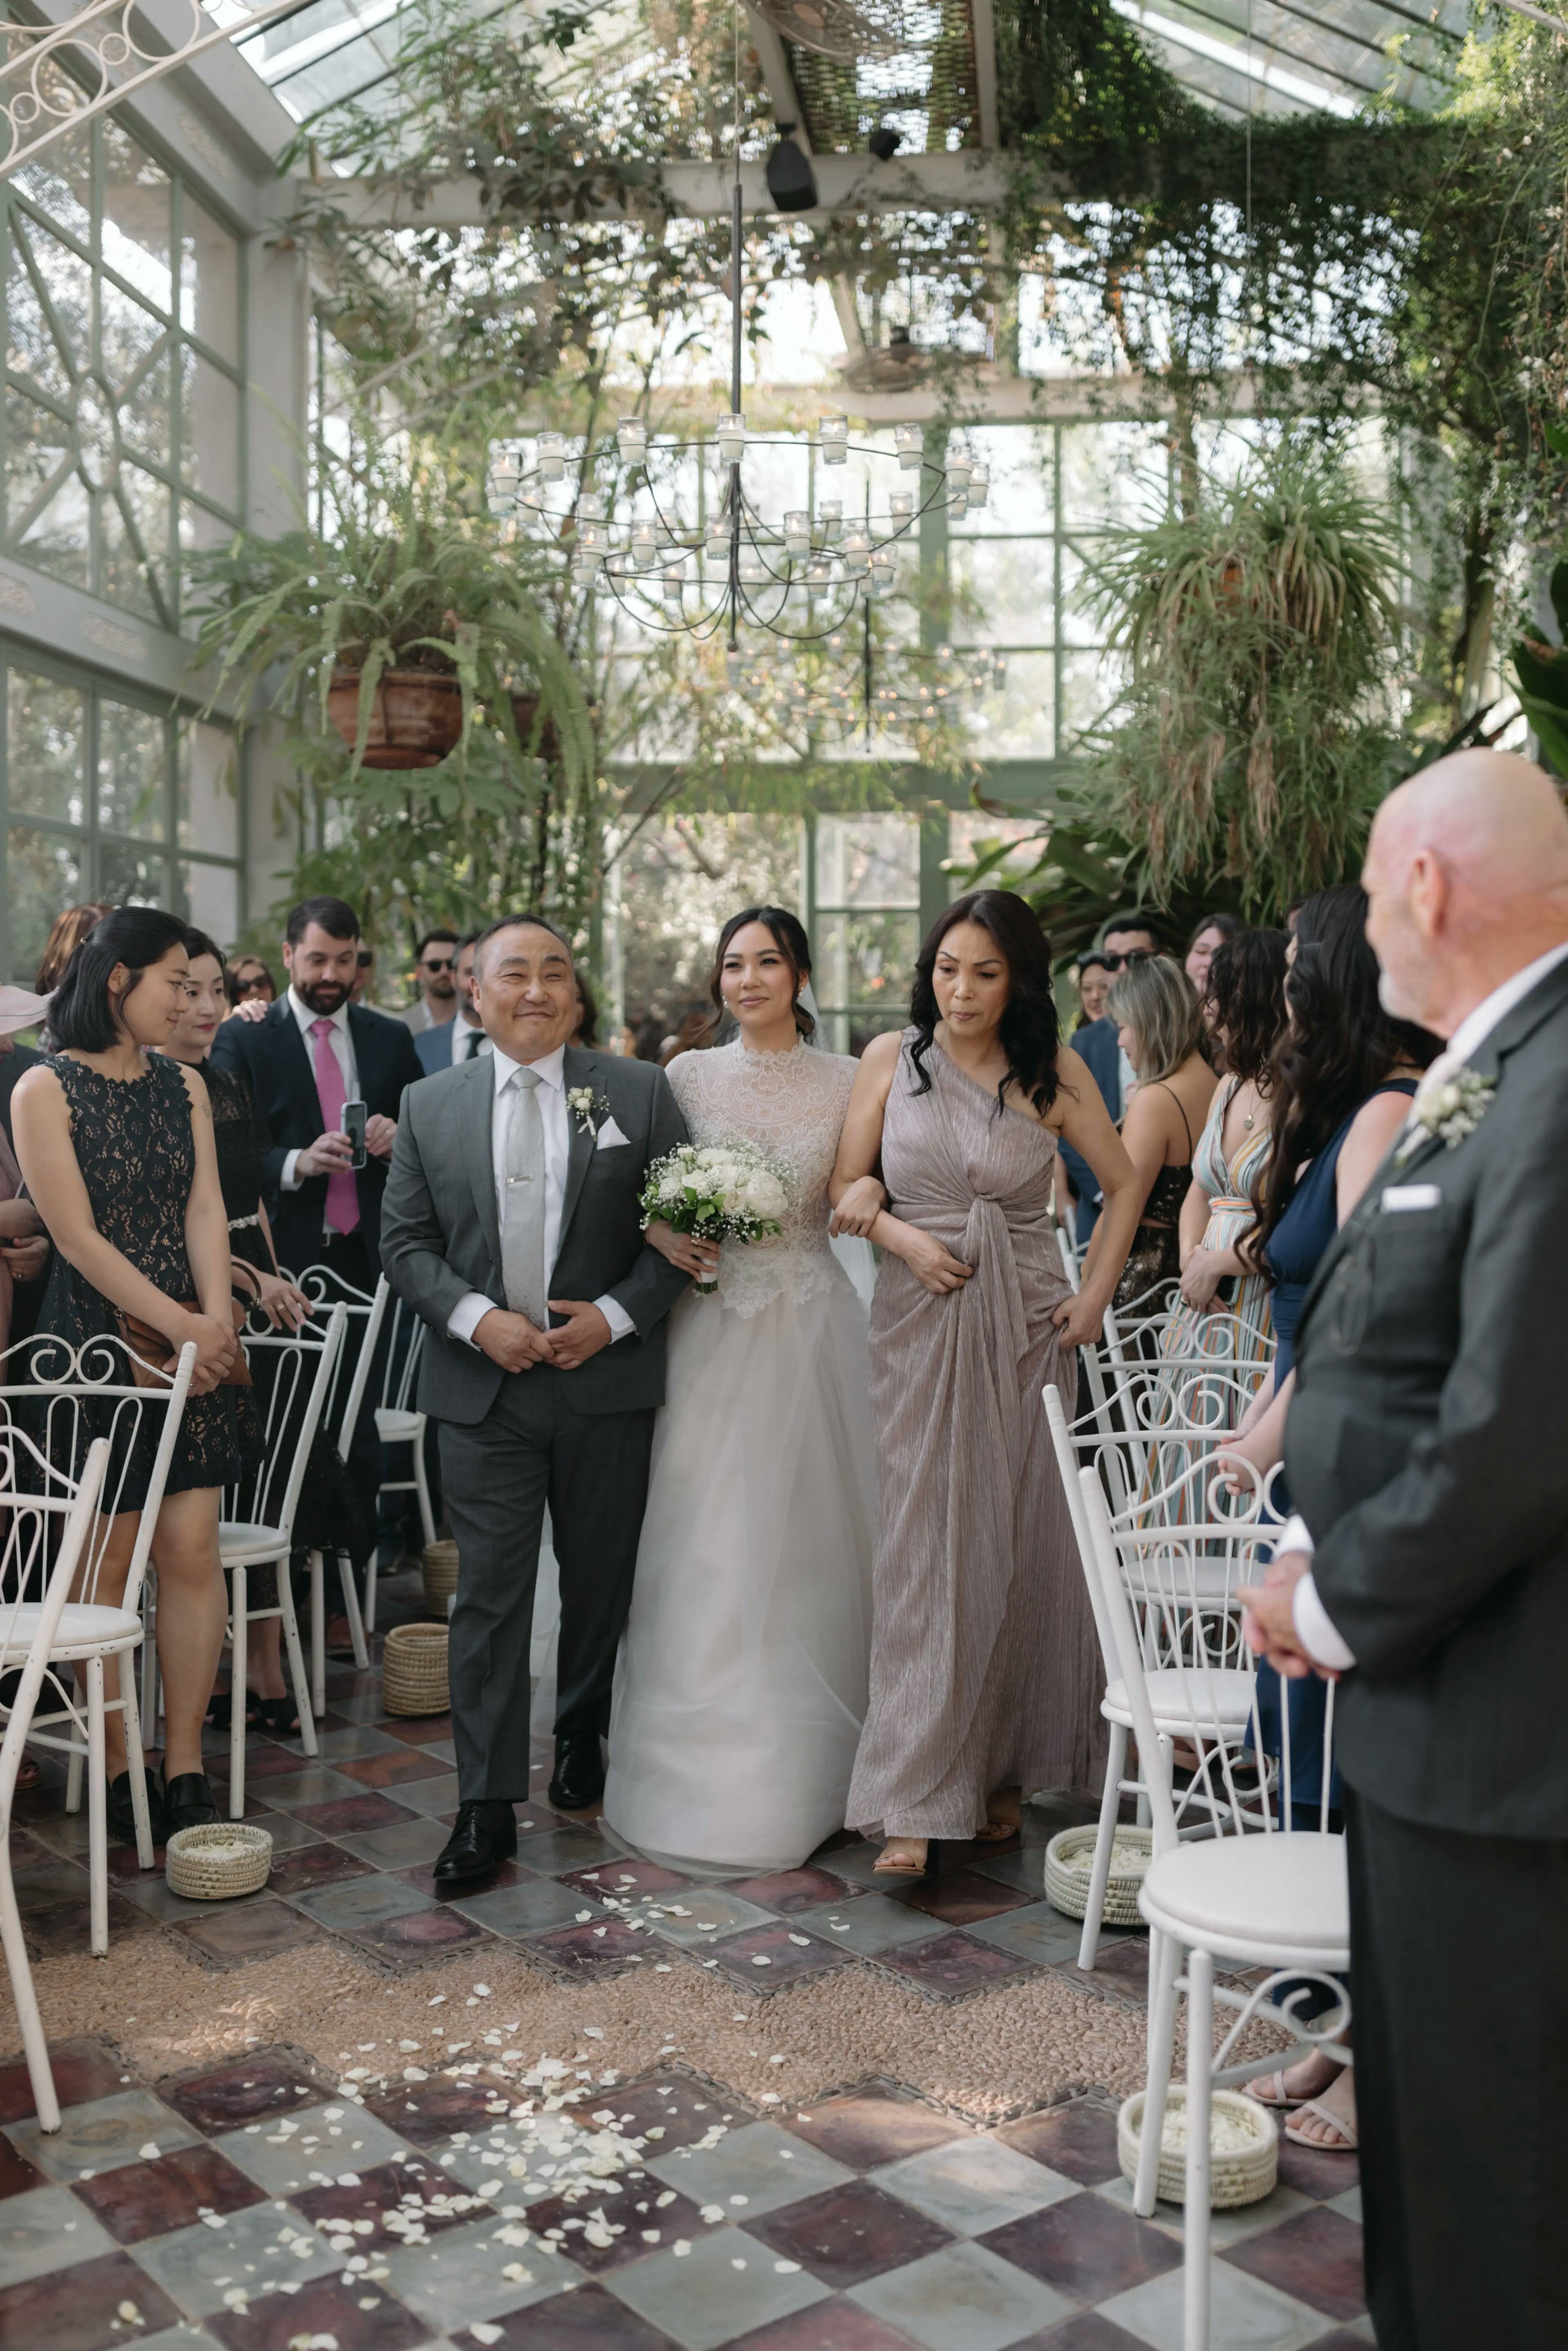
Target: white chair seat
(1177,1696)
(399,1427)
(241,1544)
(1272,1901)
(84,1626)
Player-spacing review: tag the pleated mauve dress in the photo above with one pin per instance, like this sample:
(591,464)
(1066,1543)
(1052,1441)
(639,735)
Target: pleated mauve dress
(984,1672)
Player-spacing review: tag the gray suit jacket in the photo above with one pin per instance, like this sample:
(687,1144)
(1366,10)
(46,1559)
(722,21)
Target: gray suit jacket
(1425,1448)
(440,1234)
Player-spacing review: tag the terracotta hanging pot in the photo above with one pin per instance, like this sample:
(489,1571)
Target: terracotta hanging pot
(416,717)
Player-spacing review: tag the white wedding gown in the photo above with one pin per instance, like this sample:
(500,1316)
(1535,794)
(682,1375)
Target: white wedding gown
(741,1683)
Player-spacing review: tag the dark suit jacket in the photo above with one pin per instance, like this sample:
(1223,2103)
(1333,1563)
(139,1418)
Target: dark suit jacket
(441,1233)
(1425,1448)
(273,1056)
(1097,1043)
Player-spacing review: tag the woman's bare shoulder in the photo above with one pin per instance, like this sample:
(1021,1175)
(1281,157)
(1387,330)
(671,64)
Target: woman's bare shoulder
(880,1057)
(39,1084)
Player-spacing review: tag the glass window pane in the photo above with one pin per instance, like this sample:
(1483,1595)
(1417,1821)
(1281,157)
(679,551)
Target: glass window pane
(1081,623)
(128,876)
(132,771)
(46,748)
(866,959)
(66,280)
(37,443)
(1020,498)
(868,860)
(145,418)
(60,181)
(32,348)
(1015,721)
(209,802)
(1090,684)
(44,873)
(137,216)
(1113,475)
(209,280)
(56,540)
(212,900)
(1005,585)
(211,437)
(128,335)
(135,563)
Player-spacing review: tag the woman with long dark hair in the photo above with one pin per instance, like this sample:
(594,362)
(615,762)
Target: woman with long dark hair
(741,1684)
(1342,1077)
(985,1675)
(115,1141)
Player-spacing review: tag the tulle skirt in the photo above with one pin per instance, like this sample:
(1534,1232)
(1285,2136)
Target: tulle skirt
(741,1684)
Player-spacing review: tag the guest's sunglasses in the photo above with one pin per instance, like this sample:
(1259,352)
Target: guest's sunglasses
(437,963)
(254,987)
(1134,955)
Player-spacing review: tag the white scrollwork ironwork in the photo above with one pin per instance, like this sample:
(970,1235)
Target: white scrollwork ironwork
(56,76)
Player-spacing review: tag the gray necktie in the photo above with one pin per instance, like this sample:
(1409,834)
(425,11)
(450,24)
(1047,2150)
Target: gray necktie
(523,1269)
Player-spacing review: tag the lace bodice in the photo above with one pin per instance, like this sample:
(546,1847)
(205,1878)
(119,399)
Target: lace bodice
(790,1105)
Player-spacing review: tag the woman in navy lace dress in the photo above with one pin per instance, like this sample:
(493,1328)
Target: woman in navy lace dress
(116,1143)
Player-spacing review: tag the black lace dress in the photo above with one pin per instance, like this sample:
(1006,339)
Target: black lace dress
(240,1134)
(137,1159)
(1156,1255)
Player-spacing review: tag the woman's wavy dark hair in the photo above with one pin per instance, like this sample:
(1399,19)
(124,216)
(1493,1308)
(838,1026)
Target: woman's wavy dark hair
(789,937)
(1338,1047)
(83,1016)
(1031,1033)
(1247,999)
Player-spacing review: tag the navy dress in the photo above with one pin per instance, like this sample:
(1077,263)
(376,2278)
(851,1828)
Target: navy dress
(1294,1252)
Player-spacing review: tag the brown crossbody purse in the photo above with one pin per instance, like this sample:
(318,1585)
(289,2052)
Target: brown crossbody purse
(153,1357)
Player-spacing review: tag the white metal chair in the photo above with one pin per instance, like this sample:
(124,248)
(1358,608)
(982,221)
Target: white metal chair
(60,1398)
(1257,1893)
(397,1420)
(42,1509)
(257,1530)
(1213,1579)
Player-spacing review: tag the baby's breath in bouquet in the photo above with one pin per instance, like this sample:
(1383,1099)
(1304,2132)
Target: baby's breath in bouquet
(718,1191)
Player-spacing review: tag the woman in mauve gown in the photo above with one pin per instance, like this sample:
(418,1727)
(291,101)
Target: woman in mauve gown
(984,1672)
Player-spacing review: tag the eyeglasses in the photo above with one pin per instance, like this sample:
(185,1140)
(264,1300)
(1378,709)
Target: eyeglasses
(255,985)
(1134,955)
(438,963)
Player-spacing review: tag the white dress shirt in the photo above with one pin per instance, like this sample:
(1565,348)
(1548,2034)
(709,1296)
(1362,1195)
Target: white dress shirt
(468,1040)
(472,1308)
(1315,1629)
(342,1043)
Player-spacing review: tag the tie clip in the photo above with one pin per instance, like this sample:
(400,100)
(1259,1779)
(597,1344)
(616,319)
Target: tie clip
(519,1179)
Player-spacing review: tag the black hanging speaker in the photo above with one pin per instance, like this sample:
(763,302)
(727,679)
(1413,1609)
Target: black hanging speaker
(791,183)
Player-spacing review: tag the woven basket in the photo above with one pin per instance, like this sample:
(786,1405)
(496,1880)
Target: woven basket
(218,1862)
(413,1670)
(1239,2176)
(1070,1859)
(439,1560)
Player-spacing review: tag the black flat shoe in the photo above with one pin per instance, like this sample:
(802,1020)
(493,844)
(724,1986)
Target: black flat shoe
(189,1802)
(122,1820)
(278,1717)
(578,1771)
(485,1835)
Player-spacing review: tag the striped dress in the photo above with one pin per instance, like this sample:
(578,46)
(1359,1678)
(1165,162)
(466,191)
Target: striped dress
(1240,1328)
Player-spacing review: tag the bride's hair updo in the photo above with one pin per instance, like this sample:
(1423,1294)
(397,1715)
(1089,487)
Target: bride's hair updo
(792,943)
(1029,1031)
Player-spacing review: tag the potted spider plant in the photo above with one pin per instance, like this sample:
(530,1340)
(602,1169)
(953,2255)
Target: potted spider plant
(401,630)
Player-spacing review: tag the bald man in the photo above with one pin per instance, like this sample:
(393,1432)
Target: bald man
(1427,1447)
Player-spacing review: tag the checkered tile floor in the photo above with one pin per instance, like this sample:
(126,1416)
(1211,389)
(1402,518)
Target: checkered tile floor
(264,2207)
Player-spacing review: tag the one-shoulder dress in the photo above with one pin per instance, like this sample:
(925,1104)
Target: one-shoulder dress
(985,1671)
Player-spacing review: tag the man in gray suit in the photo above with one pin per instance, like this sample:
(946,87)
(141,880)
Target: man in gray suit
(1426,1453)
(512,1226)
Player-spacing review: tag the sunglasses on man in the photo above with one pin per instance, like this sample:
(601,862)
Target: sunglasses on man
(438,963)
(1119,962)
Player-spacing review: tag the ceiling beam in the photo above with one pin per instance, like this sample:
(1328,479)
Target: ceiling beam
(970,180)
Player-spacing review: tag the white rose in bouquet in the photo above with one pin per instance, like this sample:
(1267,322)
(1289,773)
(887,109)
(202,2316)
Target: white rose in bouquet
(718,1191)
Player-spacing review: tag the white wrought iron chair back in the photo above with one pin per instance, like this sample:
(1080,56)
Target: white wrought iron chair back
(300,1368)
(47,1523)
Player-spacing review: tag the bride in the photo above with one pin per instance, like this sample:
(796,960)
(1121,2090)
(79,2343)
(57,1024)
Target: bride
(741,1684)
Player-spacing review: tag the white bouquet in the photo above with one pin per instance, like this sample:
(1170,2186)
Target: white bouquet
(718,1191)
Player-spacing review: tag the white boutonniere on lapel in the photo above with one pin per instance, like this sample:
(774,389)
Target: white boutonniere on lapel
(1449,1106)
(588,1108)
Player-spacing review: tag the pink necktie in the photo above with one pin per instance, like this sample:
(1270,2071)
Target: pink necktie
(342,1196)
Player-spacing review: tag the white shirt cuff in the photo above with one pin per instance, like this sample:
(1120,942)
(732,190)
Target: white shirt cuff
(1295,1537)
(621,1324)
(290,1179)
(1315,1631)
(467,1314)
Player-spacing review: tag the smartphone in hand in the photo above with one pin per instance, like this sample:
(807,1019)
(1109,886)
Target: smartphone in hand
(353,1122)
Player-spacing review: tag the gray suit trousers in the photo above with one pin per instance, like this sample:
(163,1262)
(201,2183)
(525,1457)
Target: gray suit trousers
(592,1468)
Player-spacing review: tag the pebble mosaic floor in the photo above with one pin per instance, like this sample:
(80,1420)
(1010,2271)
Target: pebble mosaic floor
(265,2204)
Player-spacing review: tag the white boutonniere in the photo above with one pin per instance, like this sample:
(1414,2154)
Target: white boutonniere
(1448,1106)
(588,1107)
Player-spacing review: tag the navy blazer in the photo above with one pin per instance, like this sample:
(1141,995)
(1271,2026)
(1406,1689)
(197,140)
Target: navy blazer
(1098,1044)
(272,1056)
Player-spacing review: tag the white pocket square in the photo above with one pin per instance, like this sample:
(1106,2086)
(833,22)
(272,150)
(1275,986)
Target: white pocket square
(609,1135)
(1400,1196)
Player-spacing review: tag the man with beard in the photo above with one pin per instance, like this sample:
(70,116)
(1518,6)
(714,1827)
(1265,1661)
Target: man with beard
(314,1051)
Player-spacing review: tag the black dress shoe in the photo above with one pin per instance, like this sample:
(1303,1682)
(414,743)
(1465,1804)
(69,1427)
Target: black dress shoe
(578,1771)
(188,1802)
(484,1836)
(122,1820)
